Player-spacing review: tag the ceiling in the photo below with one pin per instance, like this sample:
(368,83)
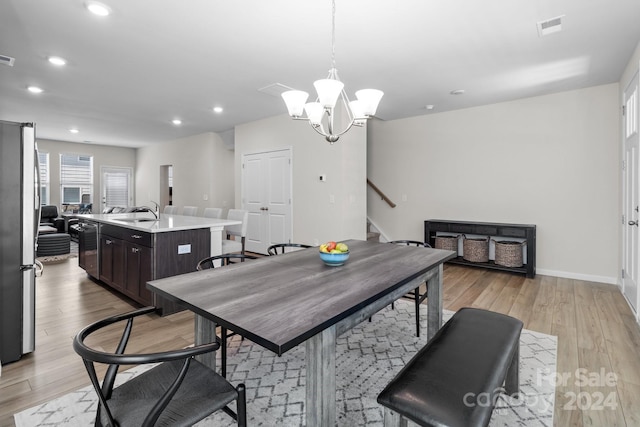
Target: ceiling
(129,74)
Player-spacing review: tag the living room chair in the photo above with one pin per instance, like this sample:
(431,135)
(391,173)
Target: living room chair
(237,231)
(212,213)
(178,391)
(190,211)
(49,218)
(206,264)
(415,295)
(281,248)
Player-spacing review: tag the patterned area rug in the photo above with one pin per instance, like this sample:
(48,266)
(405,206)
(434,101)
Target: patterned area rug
(368,357)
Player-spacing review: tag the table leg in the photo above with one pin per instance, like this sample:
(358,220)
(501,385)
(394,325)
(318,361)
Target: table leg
(205,332)
(434,303)
(320,404)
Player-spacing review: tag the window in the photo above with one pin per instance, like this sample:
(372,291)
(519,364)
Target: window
(76,179)
(43,160)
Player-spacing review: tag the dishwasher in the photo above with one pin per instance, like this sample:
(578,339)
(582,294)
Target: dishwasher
(88,247)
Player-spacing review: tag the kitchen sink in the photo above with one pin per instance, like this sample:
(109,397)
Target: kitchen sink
(137,219)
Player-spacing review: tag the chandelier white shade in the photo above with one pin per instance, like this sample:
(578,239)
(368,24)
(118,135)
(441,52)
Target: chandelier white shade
(321,113)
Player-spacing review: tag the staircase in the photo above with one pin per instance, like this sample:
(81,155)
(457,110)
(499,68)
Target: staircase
(372,236)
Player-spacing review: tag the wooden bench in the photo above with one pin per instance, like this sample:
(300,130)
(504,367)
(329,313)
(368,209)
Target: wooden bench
(455,379)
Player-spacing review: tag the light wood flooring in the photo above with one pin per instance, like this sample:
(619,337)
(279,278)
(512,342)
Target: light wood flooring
(597,336)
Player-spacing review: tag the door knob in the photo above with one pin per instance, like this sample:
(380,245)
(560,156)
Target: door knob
(633,223)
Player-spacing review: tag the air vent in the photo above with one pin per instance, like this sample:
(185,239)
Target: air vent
(550,26)
(274,89)
(7,60)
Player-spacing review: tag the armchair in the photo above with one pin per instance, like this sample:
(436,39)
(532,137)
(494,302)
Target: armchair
(49,217)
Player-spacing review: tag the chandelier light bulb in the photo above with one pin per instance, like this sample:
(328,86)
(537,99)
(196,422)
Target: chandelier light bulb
(314,111)
(295,100)
(328,91)
(370,99)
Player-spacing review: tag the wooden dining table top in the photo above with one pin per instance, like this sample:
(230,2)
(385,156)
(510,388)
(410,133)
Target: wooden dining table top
(280,301)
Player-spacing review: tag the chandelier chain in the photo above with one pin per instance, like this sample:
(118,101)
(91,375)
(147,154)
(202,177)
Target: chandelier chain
(333,34)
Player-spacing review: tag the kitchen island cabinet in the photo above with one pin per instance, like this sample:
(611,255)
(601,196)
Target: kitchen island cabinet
(135,248)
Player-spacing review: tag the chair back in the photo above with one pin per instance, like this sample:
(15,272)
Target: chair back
(238,215)
(280,248)
(153,391)
(48,213)
(170,209)
(190,211)
(212,213)
(410,243)
(225,259)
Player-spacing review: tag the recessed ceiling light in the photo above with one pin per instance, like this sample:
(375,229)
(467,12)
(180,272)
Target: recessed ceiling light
(176,122)
(217,110)
(98,8)
(457,92)
(74,130)
(56,60)
(34,89)
(429,106)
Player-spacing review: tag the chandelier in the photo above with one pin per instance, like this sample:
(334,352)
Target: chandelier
(321,113)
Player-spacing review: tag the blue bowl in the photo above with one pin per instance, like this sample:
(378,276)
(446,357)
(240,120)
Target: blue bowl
(335,259)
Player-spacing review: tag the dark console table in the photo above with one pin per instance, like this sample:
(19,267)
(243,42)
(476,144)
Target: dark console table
(517,231)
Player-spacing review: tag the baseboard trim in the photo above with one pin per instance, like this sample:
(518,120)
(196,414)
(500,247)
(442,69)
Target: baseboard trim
(578,276)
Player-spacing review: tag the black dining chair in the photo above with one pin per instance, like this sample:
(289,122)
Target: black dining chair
(205,264)
(178,390)
(281,248)
(415,294)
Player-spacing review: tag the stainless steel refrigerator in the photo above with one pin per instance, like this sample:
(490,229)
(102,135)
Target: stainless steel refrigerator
(19,219)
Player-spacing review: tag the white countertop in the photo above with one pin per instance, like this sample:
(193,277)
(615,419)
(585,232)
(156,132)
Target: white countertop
(164,223)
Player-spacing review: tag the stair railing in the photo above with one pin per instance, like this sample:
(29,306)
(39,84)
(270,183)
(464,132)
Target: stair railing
(380,193)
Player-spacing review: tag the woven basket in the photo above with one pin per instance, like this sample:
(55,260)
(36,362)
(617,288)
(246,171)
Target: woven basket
(449,243)
(509,253)
(476,250)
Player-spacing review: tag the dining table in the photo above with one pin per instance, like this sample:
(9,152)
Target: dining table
(282,301)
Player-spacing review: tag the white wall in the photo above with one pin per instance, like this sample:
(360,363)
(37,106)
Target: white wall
(315,219)
(103,155)
(202,167)
(551,161)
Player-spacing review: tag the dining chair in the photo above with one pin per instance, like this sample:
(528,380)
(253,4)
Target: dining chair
(281,248)
(237,231)
(170,209)
(212,213)
(206,264)
(190,211)
(176,390)
(415,295)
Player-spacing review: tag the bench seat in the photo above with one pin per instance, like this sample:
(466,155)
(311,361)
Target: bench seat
(455,378)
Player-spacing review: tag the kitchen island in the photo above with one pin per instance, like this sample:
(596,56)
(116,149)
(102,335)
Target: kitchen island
(125,251)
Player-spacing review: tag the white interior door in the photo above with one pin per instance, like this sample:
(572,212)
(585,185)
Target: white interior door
(116,187)
(631,195)
(266,194)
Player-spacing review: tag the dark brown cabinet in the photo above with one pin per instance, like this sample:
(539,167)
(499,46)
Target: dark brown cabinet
(139,264)
(520,232)
(112,261)
(126,261)
(129,258)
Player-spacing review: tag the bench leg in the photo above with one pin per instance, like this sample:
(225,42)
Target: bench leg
(512,381)
(393,419)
